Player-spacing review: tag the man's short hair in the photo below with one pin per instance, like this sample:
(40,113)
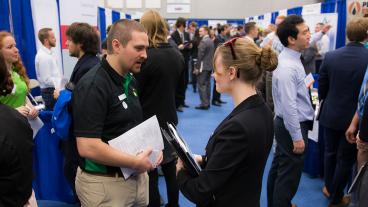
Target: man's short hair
(43,34)
(194,24)
(320,24)
(357,28)
(84,34)
(122,30)
(180,22)
(220,28)
(249,27)
(206,28)
(288,28)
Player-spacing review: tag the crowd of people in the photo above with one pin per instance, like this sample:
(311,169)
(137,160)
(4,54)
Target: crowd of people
(142,69)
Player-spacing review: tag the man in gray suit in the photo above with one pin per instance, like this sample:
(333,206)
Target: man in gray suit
(204,67)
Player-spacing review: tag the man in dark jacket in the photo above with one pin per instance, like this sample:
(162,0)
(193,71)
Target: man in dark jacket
(182,39)
(341,75)
(82,43)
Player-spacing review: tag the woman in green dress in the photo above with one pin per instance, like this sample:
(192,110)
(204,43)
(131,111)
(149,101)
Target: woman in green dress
(17,99)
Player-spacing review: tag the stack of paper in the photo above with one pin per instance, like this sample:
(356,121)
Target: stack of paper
(145,135)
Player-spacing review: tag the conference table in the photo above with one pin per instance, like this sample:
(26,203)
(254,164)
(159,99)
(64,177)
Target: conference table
(49,180)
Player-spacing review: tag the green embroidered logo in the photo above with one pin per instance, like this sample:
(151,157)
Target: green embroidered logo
(135,93)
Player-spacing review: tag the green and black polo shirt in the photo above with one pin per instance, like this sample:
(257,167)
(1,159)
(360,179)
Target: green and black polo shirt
(105,105)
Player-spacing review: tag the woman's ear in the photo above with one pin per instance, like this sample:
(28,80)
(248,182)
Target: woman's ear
(232,72)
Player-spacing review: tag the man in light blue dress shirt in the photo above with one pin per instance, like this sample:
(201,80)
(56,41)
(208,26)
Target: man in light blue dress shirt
(293,110)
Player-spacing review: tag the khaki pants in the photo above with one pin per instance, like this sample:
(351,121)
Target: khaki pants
(94,190)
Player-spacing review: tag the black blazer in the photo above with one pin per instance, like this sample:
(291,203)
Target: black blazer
(186,51)
(235,159)
(158,81)
(16,145)
(341,75)
(84,64)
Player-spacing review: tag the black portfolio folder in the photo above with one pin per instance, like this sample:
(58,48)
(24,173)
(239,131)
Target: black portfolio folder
(181,148)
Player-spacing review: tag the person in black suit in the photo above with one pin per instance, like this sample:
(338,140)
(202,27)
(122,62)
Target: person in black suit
(182,39)
(82,43)
(341,75)
(16,145)
(158,82)
(236,153)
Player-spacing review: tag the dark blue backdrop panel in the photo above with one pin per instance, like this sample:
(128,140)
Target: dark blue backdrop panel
(102,22)
(341,23)
(261,17)
(128,16)
(115,16)
(4,15)
(50,182)
(328,7)
(24,34)
(296,10)
(236,21)
(273,17)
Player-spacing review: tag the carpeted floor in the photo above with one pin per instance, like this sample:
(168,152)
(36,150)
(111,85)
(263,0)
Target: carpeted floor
(196,126)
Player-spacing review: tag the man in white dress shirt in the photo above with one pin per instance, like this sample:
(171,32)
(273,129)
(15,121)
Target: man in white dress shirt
(48,73)
(323,45)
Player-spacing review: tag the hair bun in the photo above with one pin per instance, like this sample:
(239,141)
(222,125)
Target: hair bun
(267,60)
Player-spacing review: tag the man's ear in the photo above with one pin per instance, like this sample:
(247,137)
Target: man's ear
(291,40)
(115,45)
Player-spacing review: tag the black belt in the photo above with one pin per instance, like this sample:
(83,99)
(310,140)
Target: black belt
(108,174)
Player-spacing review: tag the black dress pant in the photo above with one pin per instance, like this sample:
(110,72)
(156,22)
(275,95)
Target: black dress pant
(340,157)
(286,169)
(216,96)
(169,170)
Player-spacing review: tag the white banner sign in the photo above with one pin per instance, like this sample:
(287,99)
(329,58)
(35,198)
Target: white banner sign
(45,14)
(178,8)
(133,4)
(116,4)
(108,14)
(311,9)
(177,1)
(155,4)
(214,23)
(328,18)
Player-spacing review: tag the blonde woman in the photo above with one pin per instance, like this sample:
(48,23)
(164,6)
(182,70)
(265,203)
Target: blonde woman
(236,153)
(158,82)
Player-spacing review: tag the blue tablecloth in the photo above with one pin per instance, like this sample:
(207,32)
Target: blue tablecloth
(50,182)
(314,161)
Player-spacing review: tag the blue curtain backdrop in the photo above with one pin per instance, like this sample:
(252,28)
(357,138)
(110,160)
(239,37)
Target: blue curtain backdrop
(273,17)
(341,23)
(24,34)
(328,7)
(261,17)
(236,21)
(102,22)
(296,10)
(128,16)
(115,16)
(4,15)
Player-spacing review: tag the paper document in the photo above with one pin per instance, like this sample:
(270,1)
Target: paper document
(309,80)
(36,125)
(134,141)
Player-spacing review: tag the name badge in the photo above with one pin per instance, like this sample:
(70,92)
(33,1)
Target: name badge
(309,80)
(122,97)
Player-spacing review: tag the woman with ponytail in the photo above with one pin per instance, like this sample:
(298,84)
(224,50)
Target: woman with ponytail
(237,151)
